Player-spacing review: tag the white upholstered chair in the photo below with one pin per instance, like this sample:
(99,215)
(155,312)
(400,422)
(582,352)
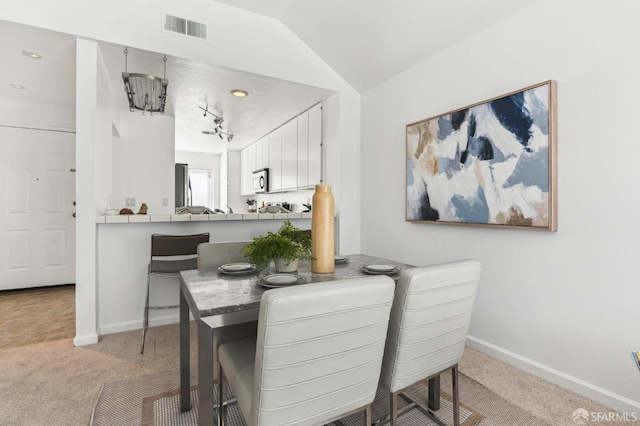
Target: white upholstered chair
(317,355)
(428,327)
(211,256)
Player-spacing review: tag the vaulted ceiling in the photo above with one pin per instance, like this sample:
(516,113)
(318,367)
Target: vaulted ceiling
(365,41)
(370,41)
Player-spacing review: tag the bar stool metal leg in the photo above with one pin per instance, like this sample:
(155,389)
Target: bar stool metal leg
(145,321)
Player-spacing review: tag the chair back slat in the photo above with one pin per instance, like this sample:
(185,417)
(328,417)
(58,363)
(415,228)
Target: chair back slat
(429,321)
(319,350)
(177,245)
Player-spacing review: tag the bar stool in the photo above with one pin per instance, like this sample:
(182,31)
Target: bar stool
(170,254)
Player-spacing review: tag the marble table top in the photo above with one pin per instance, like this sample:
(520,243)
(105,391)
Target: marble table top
(210,293)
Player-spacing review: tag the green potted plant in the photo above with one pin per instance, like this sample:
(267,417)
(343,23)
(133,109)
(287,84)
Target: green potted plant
(285,247)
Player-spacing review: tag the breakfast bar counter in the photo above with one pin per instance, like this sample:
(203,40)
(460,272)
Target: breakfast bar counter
(124,251)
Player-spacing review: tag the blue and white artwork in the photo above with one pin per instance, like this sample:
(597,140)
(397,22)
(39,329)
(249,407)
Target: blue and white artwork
(492,163)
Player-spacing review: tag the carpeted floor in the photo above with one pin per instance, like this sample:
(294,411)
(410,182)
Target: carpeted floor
(153,401)
(54,306)
(53,383)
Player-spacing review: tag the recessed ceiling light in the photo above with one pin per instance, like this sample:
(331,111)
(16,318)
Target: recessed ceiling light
(239,93)
(17,86)
(32,55)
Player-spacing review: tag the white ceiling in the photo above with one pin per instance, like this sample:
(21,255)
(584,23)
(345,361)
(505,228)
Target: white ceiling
(369,41)
(365,41)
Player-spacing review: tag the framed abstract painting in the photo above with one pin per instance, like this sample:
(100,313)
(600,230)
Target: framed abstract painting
(492,163)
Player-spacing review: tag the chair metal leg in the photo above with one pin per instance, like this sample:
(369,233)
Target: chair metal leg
(367,415)
(394,408)
(220,395)
(145,321)
(456,402)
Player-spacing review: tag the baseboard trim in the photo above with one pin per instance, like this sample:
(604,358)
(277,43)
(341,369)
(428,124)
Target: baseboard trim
(589,390)
(137,325)
(86,339)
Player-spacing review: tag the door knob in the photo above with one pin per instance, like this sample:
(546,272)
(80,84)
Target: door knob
(74,214)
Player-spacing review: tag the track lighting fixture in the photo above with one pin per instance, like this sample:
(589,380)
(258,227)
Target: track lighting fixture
(218,129)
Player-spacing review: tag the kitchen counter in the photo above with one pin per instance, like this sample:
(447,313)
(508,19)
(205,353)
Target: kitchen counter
(155,218)
(124,250)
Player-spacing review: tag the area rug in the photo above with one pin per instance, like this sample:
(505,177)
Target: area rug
(153,400)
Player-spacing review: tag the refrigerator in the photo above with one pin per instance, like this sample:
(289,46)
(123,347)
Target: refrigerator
(183,185)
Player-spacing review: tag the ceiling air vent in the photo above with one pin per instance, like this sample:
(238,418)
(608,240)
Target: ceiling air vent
(185,27)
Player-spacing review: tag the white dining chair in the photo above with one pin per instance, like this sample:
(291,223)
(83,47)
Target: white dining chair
(428,329)
(211,256)
(317,355)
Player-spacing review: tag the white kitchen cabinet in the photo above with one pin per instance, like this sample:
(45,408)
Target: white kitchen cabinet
(251,158)
(303,149)
(262,153)
(245,172)
(290,155)
(315,145)
(275,160)
(292,152)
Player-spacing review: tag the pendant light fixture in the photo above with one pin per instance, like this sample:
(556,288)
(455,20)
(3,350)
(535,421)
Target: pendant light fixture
(146,93)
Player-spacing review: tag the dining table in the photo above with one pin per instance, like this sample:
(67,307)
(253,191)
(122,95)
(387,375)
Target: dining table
(217,299)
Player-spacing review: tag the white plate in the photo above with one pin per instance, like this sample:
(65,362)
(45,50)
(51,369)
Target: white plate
(380,268)
(280,280)
(237,267)
(377,269)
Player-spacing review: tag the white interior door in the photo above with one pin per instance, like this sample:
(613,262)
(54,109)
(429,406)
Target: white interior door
(37,208)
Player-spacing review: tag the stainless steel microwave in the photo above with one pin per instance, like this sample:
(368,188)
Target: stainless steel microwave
(260,180)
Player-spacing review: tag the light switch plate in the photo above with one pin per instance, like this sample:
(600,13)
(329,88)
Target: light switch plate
(131,202)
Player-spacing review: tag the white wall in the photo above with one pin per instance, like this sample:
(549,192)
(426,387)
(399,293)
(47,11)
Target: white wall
(15,112)
(109,130)
(143,162)
(563,305)
(88,136)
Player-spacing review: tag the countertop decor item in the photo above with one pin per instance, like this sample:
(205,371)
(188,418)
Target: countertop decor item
(289,244)
(143,209)
(322,230)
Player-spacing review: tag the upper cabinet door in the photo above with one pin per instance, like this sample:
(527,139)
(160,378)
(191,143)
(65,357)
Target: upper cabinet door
(262,153)
(303,149)
(245,172)
(290,155)
(315,145)
(275,160)
(251,159)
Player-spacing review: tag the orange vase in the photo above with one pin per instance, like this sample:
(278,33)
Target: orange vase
(322,230)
